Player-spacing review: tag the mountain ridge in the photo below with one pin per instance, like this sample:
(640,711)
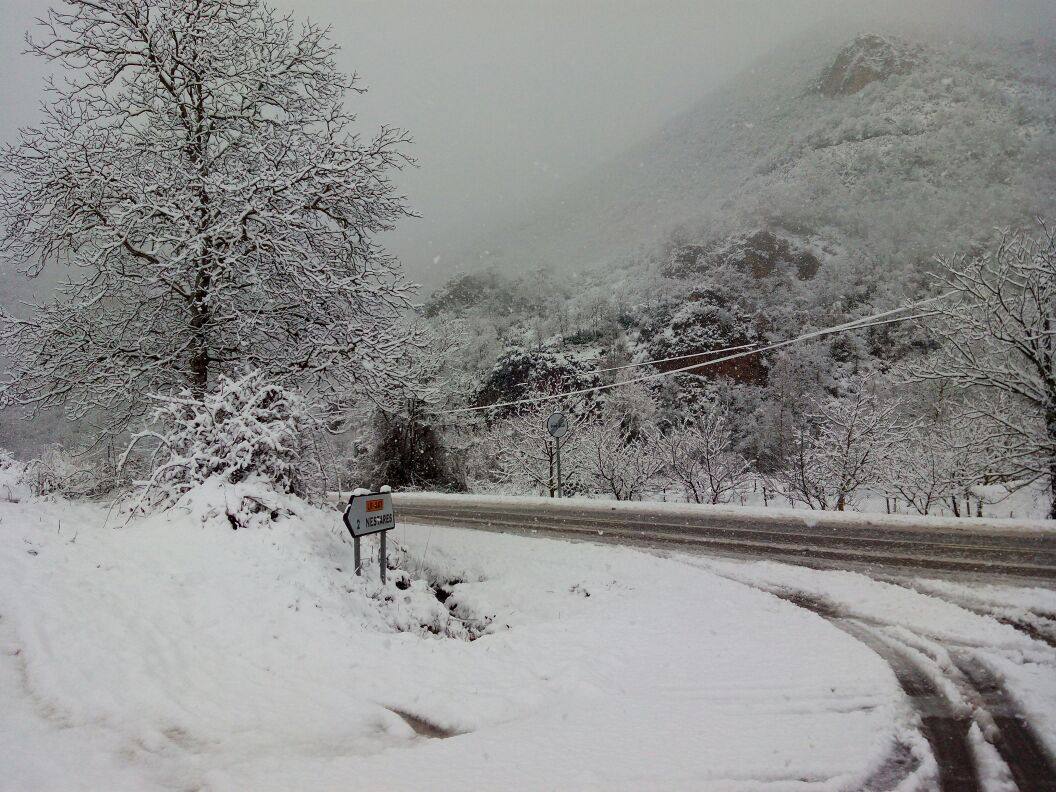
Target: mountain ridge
(719,167)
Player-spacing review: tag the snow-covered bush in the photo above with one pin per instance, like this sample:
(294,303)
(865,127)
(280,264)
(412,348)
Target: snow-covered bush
(13,487)
(53,472)
(247,433)
(59,471)
(407,449)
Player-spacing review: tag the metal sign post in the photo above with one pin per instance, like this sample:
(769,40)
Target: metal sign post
(368,513)
(560,488)
(382,559)
(557,426)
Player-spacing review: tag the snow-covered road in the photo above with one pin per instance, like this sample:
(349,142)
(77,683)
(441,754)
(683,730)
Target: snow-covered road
(176,653)
(978,661)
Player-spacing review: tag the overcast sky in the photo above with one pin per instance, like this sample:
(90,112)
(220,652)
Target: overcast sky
(508,100)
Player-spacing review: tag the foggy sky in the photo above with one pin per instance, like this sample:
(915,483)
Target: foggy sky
(507,101)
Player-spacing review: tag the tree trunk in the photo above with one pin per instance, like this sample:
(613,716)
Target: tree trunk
(1052,489)
(1050,423)
(199,362)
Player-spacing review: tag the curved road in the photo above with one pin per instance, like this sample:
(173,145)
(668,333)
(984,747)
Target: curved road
(882,542)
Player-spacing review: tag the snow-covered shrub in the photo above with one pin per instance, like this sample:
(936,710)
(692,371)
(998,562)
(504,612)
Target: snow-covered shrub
(58,471)
(53,472)
(13,485)
(247,437)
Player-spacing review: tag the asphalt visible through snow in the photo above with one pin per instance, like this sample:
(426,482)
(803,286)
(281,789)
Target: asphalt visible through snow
(944,724)
(986,551)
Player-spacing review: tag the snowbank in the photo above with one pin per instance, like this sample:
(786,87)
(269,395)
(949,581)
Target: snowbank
(177,653)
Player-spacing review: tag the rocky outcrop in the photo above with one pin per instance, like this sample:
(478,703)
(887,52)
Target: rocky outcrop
(761,254)
(866,60)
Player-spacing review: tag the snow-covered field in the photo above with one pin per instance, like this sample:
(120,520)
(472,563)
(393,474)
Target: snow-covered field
(1026,504)
(1030,502)
(175,653)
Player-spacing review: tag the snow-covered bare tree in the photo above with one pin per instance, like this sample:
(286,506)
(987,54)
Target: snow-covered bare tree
(198,176)
(620,455)
(939,458)
(615,464)
(938,464)
(840,448)
(997,334)
(700,457)
(525,455)
(919,471)
(795,373)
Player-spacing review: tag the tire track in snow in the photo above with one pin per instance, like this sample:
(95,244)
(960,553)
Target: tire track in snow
(1042,629)
(1015,741)
(1029,763)
(1028,629)
(945,729)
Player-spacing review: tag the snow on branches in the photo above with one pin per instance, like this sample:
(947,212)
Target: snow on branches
(197,174)
(619,457)
(699,456)
(522,453)
(997,334)
(841,448)
(245,432)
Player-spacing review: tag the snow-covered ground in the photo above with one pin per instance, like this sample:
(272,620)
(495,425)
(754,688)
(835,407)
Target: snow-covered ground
(934,619)
(175,653)
(1028,503)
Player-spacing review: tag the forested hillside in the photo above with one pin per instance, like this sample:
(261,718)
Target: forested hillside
(818,188)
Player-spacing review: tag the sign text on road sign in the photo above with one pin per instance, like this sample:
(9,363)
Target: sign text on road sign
(370,513)
(557,424)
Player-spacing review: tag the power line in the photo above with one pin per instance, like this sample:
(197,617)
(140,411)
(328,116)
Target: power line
(662,360)
(857,324)
(671,359)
